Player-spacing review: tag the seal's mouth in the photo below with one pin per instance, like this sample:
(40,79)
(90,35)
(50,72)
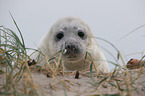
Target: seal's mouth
(72,53)
(72,56)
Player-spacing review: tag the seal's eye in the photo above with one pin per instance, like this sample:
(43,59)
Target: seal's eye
(81,34)
(60,35)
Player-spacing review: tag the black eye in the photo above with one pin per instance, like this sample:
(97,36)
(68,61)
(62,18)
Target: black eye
(60,35)
(81,34)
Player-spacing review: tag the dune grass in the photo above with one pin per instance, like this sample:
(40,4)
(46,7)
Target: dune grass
(17,74)
(13,63)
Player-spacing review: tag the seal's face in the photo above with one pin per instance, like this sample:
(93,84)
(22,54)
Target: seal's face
(72,39)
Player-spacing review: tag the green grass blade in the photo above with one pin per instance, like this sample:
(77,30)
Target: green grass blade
(18,30)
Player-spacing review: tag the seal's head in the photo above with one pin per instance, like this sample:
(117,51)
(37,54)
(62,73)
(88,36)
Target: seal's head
(71,36)
(74,39)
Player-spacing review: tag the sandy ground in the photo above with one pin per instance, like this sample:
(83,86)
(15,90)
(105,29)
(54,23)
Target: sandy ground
(79,87)
(48,86)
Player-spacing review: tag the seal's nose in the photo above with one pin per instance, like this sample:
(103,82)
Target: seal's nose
(71,48)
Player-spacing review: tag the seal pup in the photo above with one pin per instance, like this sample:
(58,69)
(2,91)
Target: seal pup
(76,40)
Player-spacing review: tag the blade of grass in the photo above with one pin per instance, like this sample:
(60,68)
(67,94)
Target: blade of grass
(18,30)
(132,31)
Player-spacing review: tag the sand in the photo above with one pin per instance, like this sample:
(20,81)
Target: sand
(81,86)
(51,86)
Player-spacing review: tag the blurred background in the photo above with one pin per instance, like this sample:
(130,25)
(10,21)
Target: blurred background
(108,19)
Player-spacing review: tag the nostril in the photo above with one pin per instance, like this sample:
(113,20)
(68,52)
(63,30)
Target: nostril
(70,46)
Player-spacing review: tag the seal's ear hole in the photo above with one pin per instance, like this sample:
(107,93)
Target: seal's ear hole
(60,35)
(81,34)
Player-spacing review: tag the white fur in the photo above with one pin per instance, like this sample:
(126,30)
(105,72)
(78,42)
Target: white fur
(49,48)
